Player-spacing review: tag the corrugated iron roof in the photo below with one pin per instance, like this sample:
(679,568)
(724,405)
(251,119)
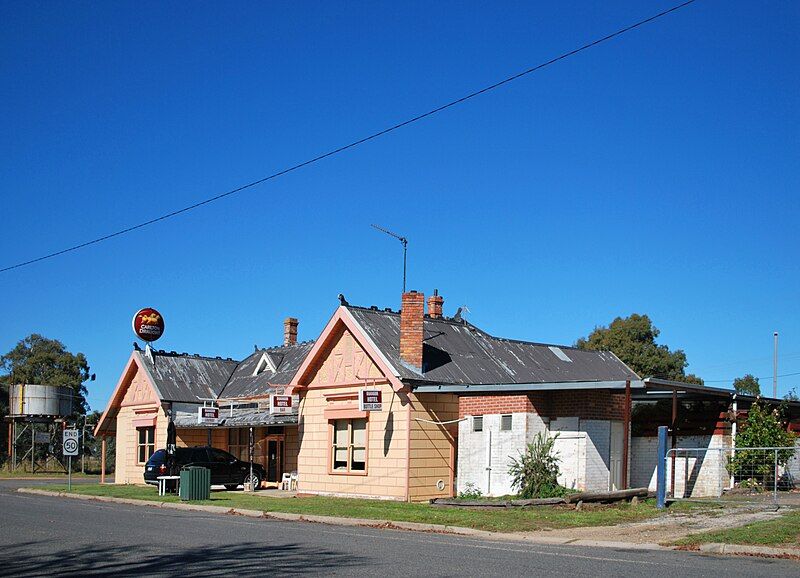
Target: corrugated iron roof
(285,359)
(184,377)
(457,352)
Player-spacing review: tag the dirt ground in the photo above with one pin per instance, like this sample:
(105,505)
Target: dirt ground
(674,525)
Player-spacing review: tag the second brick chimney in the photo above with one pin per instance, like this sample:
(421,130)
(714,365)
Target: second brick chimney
(435,305)
(412,316)
(290,331)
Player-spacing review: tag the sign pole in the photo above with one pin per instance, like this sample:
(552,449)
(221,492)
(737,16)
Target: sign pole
(69,447)
(661,468)
(250,457)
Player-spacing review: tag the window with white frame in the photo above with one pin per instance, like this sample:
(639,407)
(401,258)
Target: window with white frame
(477,423)
(349,449)
(506,421)
(146,443)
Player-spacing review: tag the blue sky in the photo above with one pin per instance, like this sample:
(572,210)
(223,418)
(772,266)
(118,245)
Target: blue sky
(654,174)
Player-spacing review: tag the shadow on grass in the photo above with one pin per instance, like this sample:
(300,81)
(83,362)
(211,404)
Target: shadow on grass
(250,559)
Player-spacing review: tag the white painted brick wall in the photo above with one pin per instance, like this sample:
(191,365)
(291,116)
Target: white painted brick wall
(583,447)
(698,474)
(793,465)
(473,446)
(644,456)
(598,454)
(570,447)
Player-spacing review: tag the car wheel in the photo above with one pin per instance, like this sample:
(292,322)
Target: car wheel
(231,487)
(254,479)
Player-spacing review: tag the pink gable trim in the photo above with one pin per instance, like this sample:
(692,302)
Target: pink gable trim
(119,391)
(342,316)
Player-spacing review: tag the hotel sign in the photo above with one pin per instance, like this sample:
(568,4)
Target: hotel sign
(280,403)
(370,400)
(208,415)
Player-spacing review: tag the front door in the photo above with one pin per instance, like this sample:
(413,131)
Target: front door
(615,469)
(274,453)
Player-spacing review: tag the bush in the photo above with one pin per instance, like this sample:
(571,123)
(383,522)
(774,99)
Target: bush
(763,429)
(470,492)
(535,473)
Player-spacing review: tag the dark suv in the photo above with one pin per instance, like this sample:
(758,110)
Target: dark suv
(226,470)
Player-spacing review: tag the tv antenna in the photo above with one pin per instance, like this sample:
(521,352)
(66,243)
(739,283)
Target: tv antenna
(404,241)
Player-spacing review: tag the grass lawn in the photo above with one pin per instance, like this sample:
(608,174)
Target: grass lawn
(502,520)
(783,531)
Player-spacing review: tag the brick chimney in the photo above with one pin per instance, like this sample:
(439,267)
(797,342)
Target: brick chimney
(290,331)
(411,319)
(435,305)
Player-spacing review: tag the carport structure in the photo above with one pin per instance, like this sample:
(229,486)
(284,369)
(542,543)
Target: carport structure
(699,417)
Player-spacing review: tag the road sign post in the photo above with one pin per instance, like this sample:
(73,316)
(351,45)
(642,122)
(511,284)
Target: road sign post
(661,469)
(70,448)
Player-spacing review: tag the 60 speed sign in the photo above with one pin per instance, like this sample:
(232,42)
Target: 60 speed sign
(70,444)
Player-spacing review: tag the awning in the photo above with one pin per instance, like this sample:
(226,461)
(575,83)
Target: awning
(238,418)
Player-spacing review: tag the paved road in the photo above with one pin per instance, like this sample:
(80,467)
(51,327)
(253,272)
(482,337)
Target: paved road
(41,535)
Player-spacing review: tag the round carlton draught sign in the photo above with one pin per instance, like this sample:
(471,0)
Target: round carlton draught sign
(148,324)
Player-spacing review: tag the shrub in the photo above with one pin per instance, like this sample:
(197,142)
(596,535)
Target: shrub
(763,429)
(470,492)
(535,473)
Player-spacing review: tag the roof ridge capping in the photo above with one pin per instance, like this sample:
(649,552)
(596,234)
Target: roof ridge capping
(173,353)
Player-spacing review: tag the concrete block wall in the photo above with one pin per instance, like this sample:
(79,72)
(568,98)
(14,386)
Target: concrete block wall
(598,454)
(644,458)
(697,474)
(793,465)
(583,447)
(474,450)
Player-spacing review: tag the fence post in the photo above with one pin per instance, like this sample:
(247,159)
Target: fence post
(661,468)
(775,476)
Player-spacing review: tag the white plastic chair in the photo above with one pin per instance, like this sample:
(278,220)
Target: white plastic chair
(286,481)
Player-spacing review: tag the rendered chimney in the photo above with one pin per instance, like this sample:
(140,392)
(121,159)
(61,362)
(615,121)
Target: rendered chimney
(411,319)
(435,305)
(290,331)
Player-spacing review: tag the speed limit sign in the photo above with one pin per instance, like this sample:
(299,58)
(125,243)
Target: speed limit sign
(70,444)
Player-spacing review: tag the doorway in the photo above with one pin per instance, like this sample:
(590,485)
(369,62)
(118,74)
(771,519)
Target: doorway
(274,455)
(615,457)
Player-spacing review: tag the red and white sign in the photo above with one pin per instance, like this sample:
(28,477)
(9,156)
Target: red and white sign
(280,403)
(208,415)
(370,400)
(148,324)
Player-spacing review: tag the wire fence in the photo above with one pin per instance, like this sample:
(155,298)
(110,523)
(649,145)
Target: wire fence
(768,474)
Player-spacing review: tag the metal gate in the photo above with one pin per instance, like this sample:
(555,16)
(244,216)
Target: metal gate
(766,475)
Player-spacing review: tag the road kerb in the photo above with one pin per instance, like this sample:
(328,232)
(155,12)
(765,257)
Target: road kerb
(739,549)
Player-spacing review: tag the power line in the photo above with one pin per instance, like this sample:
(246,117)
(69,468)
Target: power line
(731,380)
(357,142)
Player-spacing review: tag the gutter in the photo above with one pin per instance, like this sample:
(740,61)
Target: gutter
(504,387)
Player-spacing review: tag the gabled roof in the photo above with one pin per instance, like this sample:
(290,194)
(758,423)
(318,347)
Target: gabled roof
(457,352)
(285,359)
(188,378)
(183,377)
